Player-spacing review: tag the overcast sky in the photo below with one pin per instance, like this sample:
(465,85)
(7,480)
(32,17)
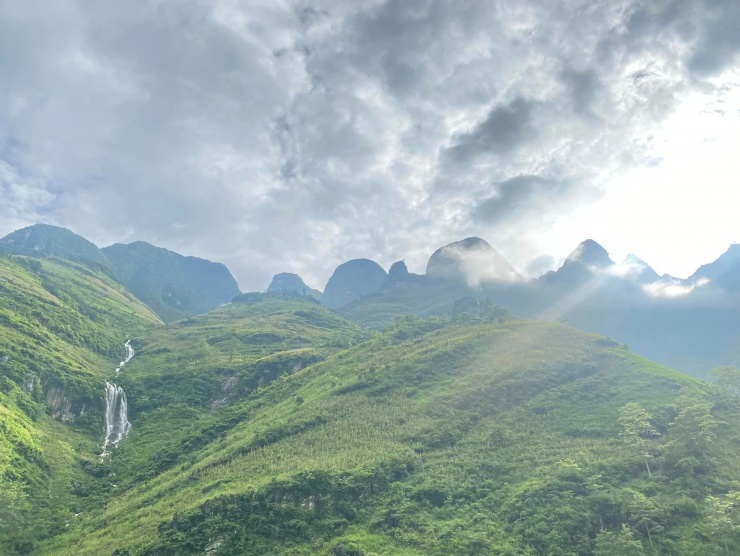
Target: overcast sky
(292,136)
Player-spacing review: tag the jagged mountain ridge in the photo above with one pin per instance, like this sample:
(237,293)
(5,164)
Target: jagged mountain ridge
(692,325)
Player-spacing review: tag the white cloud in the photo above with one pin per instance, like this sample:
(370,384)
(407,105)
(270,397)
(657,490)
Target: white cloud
(277,136)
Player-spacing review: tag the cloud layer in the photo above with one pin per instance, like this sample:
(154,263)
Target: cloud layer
(292,136)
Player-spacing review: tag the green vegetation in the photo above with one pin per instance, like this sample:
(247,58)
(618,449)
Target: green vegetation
(62,326)
(433,437)
(433,298)
(174,286)
(275,426)
(42,240)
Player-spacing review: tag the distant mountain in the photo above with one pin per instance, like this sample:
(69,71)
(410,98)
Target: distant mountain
(287,281)
(399,276)
(43,240)
(472,261)
(639,270)
(580,266)
(724,272)
(173,285)
(351,281)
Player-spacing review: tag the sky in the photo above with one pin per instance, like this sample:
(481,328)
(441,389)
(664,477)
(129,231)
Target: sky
(292,136)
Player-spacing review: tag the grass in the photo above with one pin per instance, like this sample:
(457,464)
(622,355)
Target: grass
(461,438)
(62,328)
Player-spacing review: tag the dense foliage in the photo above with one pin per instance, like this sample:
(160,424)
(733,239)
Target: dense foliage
(62,328)
(275,426)
(173,285)
(441,436)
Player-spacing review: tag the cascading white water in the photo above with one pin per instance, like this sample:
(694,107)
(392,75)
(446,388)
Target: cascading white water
(117,424)
(129,355)
(116,414)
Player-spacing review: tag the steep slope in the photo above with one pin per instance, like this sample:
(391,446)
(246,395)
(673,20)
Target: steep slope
(287,281)
(431,438)
(62,330)
(43,240)
(724,272)
(173,285)
(351,281)
(639,270)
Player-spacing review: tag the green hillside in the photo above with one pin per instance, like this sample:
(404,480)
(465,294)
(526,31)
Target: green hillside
(43,240)
(173,285)
(433,437)
(432,298)
(62,329)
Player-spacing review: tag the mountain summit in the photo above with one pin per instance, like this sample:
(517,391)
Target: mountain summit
(471,260)
(44,240)
(292,282)
(351,281)
(589,253)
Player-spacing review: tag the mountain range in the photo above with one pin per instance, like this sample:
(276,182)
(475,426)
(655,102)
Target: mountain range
(460,411)
(689,324)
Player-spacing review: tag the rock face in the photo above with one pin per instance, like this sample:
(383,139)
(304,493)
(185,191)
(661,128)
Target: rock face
(43,240)
(351,281)
(174,286)
(287,281)
(473,261)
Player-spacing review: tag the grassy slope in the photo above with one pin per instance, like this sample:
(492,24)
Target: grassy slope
(61,332)
(431,299)
(431,438)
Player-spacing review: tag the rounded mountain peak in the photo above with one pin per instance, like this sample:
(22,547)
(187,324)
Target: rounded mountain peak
(472,260)
(351,281)
(286,281)
(45,240)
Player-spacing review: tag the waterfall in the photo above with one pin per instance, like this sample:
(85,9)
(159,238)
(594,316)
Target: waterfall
(129,355)
(116,415)
(117,425)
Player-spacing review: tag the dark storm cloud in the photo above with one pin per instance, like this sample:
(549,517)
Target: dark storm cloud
(505,128)
(584,86)
(719,43)
(293,136)
(514,195)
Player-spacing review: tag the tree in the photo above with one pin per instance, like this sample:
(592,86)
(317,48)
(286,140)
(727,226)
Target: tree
(465,308)
(721,519)
(727,377)
(637,430)
(642,512)
(692,432)
(618,543)
(490,312)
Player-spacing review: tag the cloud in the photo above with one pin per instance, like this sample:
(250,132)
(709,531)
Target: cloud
(514,195)
(504,129)
(718,44)
(672,288)
(292,137)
